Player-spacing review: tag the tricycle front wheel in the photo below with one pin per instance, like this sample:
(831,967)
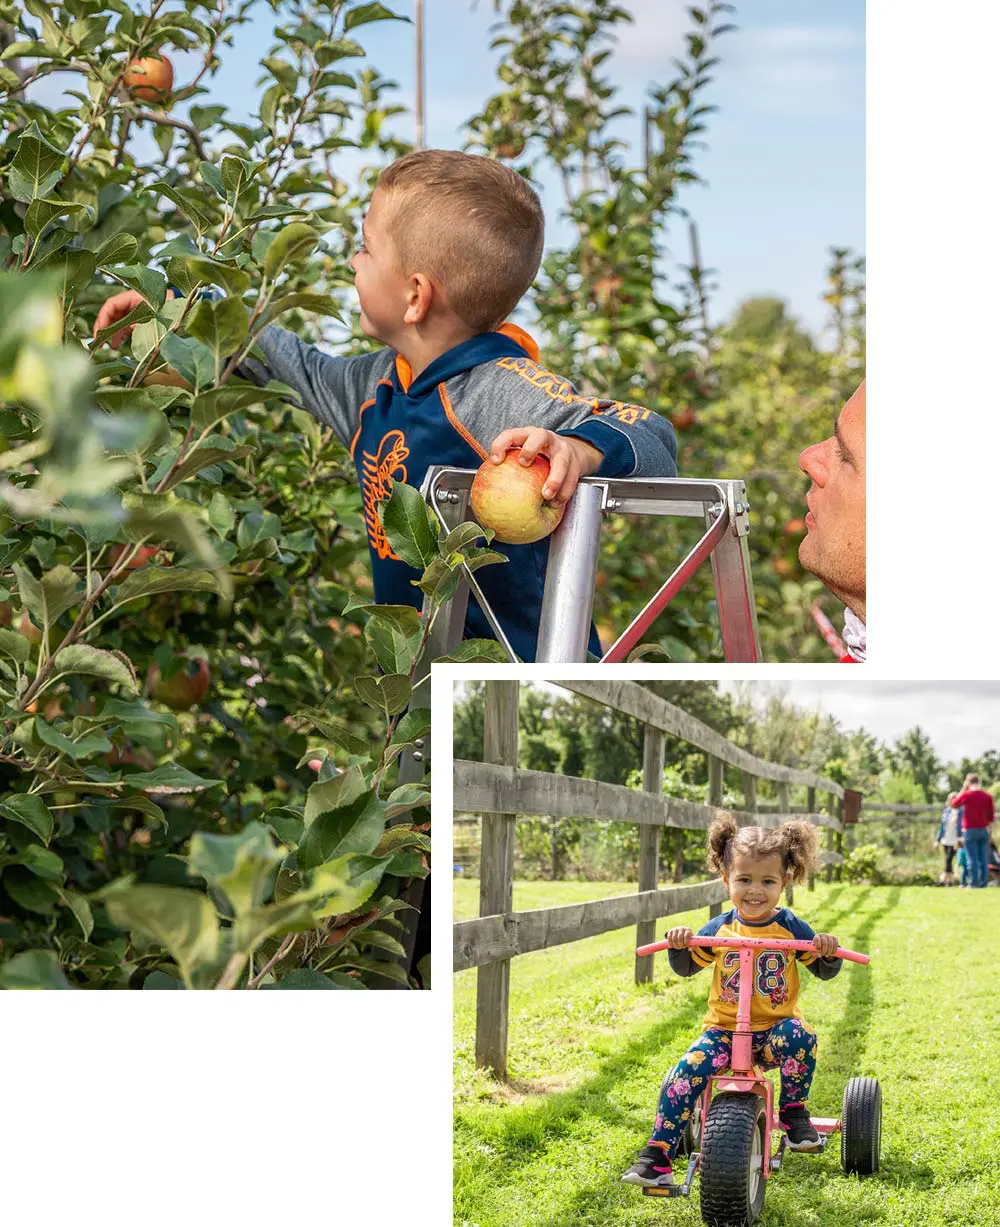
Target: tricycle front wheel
(733,1153)
(861,1127)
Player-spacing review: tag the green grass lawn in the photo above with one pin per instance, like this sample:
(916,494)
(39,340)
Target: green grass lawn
(588,1049)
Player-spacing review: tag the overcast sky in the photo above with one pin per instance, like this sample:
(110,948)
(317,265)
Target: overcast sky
(785,153)
(961,718)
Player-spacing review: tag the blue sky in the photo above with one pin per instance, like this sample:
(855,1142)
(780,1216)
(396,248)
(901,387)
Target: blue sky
(785,161)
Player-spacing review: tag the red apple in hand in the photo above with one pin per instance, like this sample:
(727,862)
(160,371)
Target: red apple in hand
(507,498)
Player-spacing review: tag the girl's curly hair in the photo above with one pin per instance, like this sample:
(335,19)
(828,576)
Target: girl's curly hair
(795,842)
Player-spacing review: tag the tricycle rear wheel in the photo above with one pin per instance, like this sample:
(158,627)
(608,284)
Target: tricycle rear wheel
(733,1153)
(861,1127)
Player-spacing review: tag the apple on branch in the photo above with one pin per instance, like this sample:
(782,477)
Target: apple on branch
(507,498)
(150,79)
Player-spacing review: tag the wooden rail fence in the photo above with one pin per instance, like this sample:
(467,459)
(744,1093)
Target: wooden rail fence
(499,790)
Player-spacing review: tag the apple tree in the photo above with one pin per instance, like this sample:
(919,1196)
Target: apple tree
(202,717)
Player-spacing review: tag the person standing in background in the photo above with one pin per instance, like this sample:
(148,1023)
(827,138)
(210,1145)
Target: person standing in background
(947,838)
(977,820)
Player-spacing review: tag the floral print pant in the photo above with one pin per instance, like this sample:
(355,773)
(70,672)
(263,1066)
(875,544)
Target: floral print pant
(789,1045)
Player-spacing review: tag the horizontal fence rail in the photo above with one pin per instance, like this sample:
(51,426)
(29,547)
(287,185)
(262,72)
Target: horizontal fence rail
(631,699)
(485,788)
(499,791)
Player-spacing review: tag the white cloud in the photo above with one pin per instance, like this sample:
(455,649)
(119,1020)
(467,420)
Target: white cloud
(795,65)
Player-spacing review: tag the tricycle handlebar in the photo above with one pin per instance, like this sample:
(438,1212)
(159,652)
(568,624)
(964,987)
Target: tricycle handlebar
(761,943)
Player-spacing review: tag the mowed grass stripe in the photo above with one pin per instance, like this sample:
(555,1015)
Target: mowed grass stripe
(588,1050)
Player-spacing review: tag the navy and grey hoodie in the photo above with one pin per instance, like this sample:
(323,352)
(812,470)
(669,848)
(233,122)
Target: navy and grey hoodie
(397,426)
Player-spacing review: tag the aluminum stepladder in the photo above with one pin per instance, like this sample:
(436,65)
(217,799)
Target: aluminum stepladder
(568,598)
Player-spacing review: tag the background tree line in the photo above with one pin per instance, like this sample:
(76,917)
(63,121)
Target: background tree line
(571,735)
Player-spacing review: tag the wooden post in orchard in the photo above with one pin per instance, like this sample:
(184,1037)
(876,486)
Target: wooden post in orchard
(649,846)
(496,879)
(715,768)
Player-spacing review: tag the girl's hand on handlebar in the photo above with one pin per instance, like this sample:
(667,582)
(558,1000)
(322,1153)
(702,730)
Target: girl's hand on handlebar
(826,944)
(680,938)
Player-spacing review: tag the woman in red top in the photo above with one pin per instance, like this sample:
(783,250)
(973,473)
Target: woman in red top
(977,819)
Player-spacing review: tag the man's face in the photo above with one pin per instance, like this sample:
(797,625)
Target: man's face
(834,546)
(381,287)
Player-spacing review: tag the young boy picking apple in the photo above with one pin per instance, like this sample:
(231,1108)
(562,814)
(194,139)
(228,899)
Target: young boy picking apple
(451,242)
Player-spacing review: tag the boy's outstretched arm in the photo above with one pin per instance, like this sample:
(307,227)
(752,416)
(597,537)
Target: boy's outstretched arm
(333,388)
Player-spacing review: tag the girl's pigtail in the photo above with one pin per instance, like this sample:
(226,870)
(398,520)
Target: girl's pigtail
(799,842)
(720,835)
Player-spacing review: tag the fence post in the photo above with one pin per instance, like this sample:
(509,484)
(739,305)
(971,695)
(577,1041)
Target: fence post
(840,838)
(784,807)
(811,809)
(749,792)
(829,835)
(649,846)
(715,769)
(496,880)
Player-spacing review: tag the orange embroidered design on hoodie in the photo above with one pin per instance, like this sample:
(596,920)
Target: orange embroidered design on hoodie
(377,474)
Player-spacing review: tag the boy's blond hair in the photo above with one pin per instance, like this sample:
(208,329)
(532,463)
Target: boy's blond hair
(474,225)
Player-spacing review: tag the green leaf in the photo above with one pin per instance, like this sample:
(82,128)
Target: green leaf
(182,921)
(138,803)
(151,579)
(291,243)
(333,729)
(365,13)
(42,862)
(148,282)
(475,649)
(29,892)
(36,167)
(29,811)
(394,650)
(256,527)
(170,779)
(221,325)
(283,72)
(213,449)
(119,249)
(33,969)
(347,882)
(41,212)
(405,798)
(303,977)
(96,662)
(51,596)
(218,403)
(188,203)
(463,535)
(220,514)
(388,694)
(242,866)
(14,645)
(81,747)
(187,272)
(354,827)
(160,980)
(80,908)
(304,300)
(336,793)
(190,358)
(407,522)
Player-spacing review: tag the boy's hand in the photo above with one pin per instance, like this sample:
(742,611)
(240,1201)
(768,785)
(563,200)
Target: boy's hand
(826,944)
(680,938)
(570,459)
(115,308)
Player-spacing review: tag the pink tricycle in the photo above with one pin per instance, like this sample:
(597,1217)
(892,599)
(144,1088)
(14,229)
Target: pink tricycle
(731,1128)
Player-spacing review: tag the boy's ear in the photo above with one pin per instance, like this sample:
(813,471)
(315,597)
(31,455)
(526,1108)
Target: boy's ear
(419,296)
